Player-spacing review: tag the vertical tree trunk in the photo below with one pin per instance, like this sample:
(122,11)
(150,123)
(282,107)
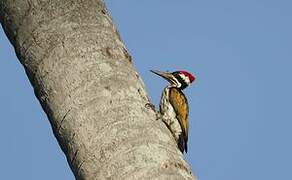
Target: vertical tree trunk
(84,79)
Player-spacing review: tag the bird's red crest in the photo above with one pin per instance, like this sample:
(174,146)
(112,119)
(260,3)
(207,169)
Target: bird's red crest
(189,75)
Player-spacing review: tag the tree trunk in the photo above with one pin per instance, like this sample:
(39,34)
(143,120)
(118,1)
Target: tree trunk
(94,99)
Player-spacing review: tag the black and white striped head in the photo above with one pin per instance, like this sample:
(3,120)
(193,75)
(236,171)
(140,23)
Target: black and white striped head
(179,79)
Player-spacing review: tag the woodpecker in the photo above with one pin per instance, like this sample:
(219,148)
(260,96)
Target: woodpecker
(174,108)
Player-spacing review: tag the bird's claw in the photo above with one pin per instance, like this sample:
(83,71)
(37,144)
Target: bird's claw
(150,106)
(158,115)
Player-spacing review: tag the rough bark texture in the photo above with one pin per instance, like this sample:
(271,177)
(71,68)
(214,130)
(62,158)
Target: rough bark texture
(84,79)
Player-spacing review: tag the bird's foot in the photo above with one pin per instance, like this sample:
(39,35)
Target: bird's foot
(158,115)
(150,106)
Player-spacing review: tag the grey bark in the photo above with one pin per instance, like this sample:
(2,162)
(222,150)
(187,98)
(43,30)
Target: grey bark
(95,101)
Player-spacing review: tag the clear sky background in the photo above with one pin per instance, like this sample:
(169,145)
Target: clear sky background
(241,110)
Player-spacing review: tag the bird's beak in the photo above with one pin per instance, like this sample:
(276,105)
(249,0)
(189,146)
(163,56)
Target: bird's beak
(165,75)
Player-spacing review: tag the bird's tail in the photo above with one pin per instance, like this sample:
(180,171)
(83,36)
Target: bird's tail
(182,144)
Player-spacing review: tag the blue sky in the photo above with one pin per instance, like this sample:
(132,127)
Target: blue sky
(241,115)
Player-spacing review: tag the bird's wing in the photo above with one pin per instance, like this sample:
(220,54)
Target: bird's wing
(180,106)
